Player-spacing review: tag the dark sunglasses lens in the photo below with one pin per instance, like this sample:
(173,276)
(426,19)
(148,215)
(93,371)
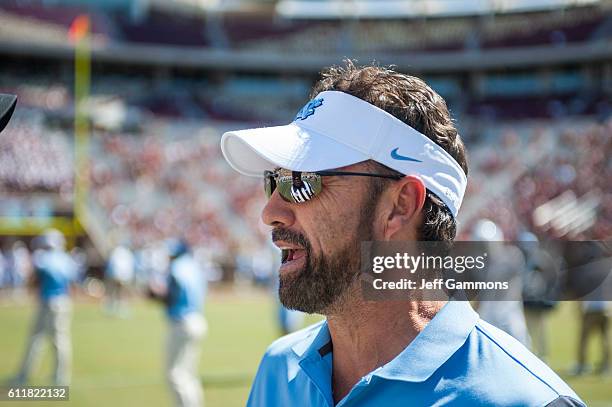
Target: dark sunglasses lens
(301,190)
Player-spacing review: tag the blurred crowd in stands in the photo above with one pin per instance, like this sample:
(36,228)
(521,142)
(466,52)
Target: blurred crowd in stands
(160,185)
(155,165)
(397,36)
(535,182)
(267,31)
(169,179)
(39,159)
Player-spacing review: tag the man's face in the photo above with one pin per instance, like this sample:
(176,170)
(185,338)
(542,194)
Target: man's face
(321,240)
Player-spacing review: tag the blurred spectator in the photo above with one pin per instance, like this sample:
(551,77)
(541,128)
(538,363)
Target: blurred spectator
(54,272)
(18,267)
(119,276)
(542,281)
(4,277)
(595,318)
(183,295)
(289,320)
(79,256)
(503,263)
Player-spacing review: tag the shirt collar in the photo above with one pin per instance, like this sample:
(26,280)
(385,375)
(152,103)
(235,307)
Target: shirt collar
(440,339)
(432,347)
(318,338)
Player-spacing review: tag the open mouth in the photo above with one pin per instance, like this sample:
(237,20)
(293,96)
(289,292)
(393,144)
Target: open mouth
(289,255)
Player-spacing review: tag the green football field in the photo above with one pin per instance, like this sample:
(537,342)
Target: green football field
(118,362)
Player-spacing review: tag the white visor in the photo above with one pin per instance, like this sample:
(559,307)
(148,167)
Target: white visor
(336,129)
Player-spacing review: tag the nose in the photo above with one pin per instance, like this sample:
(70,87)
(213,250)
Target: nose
(277,212)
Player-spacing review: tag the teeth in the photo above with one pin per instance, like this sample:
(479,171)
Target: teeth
(287,254)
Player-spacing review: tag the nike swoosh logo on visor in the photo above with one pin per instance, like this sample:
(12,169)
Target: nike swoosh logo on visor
(396,156)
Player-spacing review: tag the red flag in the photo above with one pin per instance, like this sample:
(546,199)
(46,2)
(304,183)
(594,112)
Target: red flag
(79,28)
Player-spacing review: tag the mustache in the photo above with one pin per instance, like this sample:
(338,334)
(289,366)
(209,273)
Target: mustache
(289,236)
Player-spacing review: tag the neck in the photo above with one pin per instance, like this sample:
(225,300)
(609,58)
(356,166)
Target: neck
(367,335)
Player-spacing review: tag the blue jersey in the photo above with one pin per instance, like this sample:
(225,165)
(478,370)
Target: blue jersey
(457,360)
(55,271)
(186,287)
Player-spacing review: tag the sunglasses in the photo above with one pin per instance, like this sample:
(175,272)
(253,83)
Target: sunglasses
(299,187)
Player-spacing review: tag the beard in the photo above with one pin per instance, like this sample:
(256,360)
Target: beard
(325,280)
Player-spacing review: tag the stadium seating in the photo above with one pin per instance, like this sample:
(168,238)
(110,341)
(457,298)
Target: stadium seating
(269,32)
(544,162)
(162,173)
(33,13)
(162,28)
(170,178)
(34,157)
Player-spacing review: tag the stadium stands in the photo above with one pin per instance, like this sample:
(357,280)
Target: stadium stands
(156,169)
(444,34)
(169,177)
(171,182)
(162,28)
(58,14)
(269,32)
(536,164)
(34,157)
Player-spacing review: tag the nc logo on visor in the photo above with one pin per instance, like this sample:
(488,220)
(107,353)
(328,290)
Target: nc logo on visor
(308,109)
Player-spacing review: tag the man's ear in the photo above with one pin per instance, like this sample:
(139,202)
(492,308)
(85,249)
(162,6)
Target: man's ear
(408,199)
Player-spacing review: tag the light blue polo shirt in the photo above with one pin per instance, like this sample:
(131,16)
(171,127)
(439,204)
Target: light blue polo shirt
(56,271)
(457,360)
(186,287)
